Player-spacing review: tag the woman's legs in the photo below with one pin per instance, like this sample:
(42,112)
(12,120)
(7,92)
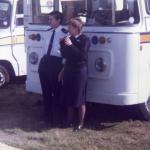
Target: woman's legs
(81,114)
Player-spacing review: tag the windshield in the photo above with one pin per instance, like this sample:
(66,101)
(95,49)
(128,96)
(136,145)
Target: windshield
(4,14)
(101,12)
(92,12)
(40,10)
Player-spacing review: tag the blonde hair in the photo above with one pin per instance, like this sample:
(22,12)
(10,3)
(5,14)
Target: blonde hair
(76,23)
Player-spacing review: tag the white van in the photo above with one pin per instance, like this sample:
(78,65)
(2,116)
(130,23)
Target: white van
(119,57)
(12,51)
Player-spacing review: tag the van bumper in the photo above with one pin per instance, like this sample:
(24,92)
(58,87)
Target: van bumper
(119,99)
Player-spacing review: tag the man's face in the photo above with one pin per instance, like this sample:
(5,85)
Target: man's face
(53,22)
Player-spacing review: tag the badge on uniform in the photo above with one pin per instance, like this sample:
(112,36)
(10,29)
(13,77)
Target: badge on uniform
(64,30)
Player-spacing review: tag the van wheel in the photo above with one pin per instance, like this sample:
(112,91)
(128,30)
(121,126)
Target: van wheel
(4,76)
(145,110)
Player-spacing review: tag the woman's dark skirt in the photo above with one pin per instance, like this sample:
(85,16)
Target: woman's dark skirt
(74,86)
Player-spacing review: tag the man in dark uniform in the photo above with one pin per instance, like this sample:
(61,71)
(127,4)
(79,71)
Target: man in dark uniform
(49,68)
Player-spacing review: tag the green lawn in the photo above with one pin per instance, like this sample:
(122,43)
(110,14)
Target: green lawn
(106,128)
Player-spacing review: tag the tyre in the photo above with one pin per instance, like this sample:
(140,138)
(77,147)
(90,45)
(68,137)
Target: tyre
(4,76)
(145,110)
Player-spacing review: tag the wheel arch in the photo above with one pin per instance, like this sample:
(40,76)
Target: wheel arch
(9,67)
(145,109)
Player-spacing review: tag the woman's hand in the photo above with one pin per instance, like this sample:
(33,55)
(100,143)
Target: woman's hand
(68,42)
(61,76)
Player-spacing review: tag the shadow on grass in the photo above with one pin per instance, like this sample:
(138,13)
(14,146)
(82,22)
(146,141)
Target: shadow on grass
(100,113)
(22,110)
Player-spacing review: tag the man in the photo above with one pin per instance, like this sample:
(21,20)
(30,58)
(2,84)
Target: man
(50,66)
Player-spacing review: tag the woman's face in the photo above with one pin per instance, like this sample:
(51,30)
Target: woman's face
(73,31)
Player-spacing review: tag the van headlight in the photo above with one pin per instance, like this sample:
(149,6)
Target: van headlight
(100,64)
(33,58)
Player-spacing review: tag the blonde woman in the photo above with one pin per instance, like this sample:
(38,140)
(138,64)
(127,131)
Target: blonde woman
(74,49)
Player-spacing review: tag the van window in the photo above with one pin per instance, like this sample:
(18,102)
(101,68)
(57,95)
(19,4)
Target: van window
(40,10)
(92,12)
(148,5)
(4,14)
(46,6)
(101,12)
(20,21)
(20,7)
(19,13)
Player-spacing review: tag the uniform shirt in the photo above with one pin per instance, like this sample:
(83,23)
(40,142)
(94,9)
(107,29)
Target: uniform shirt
(59,34)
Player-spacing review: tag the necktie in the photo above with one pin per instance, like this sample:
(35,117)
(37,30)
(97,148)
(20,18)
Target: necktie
(51,43)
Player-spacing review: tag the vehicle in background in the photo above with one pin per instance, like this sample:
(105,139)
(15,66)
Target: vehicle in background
(119,57)
(12,50)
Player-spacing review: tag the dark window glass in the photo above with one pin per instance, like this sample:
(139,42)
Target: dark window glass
(20,7)
(148,6)
(19,21)
(101,12)
(4,14)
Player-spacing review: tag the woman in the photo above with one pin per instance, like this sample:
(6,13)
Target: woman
(74,49)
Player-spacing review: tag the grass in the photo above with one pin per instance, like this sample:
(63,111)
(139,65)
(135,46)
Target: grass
(107,128)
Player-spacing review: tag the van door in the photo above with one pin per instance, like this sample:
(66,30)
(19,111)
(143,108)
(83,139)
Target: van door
(18,48)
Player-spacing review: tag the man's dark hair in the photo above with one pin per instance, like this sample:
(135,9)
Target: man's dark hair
(57,15)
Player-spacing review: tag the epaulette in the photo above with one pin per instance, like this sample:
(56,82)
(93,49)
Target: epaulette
(64,30)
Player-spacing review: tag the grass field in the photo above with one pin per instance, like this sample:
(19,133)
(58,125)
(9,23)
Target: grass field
(106,128)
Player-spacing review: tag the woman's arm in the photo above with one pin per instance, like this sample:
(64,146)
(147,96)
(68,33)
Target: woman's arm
(75,50)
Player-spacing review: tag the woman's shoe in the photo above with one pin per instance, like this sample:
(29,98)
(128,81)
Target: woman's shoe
(78,128)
